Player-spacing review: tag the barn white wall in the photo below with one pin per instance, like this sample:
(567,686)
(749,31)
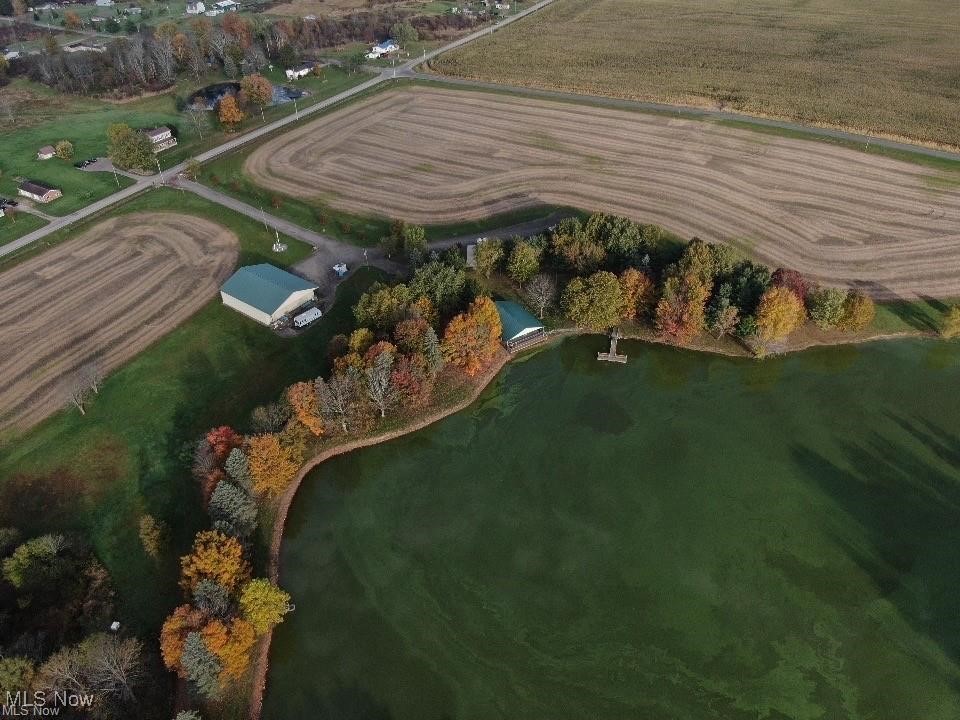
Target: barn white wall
(242,307)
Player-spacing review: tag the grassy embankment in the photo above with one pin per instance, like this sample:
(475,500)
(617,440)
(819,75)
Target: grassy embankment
(17,224)
(126,457)
(879,67)
(42,117)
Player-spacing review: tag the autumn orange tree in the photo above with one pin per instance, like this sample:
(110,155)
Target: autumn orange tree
(780,313)
(272,465)
(231,642)
(303,400)
(229,112)
(258,90)
(681,311)
(638,291)
(182,620)
(217,557)
(472,339)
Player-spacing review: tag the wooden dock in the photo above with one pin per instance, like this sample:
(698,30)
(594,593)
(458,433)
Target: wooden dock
(612,356)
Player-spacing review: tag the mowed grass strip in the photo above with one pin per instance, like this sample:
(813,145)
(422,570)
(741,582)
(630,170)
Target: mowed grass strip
(17,224)
(878,66)
(129,454)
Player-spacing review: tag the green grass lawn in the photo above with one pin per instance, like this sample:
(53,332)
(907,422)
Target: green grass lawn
(15,225)
(98,473)
(925,314)
(43,118)
(255,240)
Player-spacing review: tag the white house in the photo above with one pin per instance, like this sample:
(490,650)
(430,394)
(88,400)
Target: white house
(385,48)
(104,3)
(299,71)
(213,12)
(196,8)
(266,293)
(227,6)
(160,138)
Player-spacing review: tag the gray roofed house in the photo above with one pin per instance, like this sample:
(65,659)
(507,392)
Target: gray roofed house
(265,292)
(38,191)
(46,152)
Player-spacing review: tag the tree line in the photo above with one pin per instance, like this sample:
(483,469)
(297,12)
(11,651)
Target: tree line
(153,58)
(616,271)
(414,343)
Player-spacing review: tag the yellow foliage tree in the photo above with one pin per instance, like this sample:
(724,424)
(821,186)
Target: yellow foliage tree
(183,620)
(858,312)
(263,604)
(306,408)
(779,314)
(638,293)
(231,644)
(215,556)
(360,340)
(950,327)
(272,466)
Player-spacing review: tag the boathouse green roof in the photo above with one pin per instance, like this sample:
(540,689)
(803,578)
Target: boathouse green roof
(516,321)
(265,287)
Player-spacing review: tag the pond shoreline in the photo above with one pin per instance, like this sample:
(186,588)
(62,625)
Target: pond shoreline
(262,662)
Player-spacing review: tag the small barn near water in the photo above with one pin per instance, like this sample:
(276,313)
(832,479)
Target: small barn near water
(266,293)
(520,328)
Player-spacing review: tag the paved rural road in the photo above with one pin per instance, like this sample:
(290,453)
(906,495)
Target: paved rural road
(145,183)
(408,70)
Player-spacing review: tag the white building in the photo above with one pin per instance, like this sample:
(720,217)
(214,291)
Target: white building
(46,152)
(38,191)
(227,6)
(104,3)
(160,138)
(196,8)
(385,48)
(266,293)
(295,73)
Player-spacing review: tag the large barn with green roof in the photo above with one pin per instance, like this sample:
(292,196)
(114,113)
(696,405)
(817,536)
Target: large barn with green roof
(265,292)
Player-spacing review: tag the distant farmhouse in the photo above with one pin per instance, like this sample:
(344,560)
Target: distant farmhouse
(227,6)
(160,138)
(196,8)
(38,191)
(385,48)
(295,73)
(104,3)
(266,293)
(46,152)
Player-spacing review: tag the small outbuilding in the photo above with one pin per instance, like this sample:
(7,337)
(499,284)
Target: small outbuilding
(46,152)
(520,328)
(38,191)
(300,71)
(266,293)
(196,8)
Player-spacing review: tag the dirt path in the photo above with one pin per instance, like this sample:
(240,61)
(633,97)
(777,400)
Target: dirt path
(101,297)
(432,155)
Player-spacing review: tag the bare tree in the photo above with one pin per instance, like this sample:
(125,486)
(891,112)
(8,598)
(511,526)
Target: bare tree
(114,666)
(541,291)
(336,397)
(379,388)
(78,394)
(204,459)
(92,376)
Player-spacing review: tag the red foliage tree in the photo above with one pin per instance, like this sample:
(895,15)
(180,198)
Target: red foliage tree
(411,380)
(222,440)
(792,280)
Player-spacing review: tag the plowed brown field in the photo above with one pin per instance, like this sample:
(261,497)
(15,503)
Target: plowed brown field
(431,155)
(102,296)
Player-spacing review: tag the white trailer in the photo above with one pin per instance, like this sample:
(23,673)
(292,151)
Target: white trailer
(305,318)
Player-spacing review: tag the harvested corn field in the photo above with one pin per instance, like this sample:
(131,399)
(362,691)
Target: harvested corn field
(101,298)
(441,156)
(886,67)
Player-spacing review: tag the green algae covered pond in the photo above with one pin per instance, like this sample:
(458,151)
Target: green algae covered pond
(686,536)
